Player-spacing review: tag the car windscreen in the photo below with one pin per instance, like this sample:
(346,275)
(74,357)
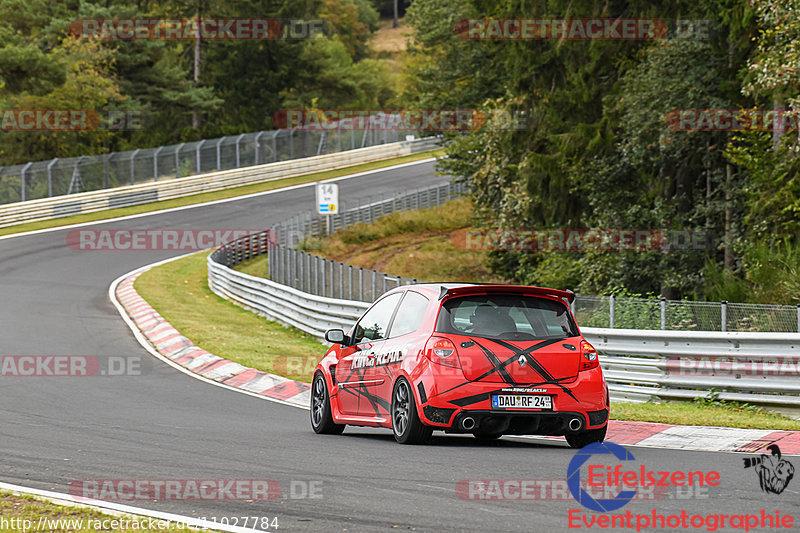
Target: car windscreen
(506,316)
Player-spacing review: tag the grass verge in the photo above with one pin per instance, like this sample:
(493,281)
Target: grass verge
(27,513)
(211,196)
(179,291)
(702,414)
(422,244)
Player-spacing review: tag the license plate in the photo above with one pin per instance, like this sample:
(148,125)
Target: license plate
(519,401)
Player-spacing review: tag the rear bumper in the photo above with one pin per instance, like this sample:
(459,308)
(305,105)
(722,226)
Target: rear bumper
(521,423)
(577,406)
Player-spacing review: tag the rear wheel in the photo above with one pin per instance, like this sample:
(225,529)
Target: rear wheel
(321,417)
(406,425)
(584,438)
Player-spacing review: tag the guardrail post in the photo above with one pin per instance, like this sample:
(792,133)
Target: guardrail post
(50,177)
(315,277)
(360,284)
(22,194)
(256,146)
(325,281)
(155,163)
(374,284)
(107,169)
(197,155)
(723,312)
(238,160)
(341,280)
(663,313)
(798,318)
(219,158)
(178,160)
(611,312)
(288,266)
(133,158)
(350,288)
(383,288)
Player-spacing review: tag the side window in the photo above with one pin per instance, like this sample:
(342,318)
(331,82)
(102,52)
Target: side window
(410,314)
(374,323)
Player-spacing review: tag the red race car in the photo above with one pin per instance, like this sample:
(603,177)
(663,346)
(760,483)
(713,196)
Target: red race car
(489,360)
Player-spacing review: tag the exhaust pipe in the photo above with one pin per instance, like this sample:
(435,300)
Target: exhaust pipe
(467,423)
(575,424)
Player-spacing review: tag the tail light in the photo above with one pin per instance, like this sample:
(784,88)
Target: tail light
(442,351)
(589,359)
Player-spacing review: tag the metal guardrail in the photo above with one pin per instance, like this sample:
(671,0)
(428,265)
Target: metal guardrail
(758,368)
(66,176)
(61,206)
(307,312)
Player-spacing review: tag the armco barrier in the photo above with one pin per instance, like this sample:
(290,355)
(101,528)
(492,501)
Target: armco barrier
(307,312)
(88,202)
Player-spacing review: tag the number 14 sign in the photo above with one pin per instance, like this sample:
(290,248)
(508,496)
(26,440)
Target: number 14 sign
(327,198)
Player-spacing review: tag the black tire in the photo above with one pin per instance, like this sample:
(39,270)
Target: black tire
(584,438)
(406,425)
(321,417)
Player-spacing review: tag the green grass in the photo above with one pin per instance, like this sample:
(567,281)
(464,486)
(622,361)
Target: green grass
(21,508)
(421,244)
(701,414)
(255,267)
(211,196)
(179,291)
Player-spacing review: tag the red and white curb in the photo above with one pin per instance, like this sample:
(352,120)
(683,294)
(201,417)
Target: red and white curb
(702,438)
(168,344)
(121,510)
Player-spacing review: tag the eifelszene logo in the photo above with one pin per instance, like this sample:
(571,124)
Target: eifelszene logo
(774,473)
(618,484)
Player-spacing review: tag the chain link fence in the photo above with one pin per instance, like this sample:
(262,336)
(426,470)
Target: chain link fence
(641,313)
(57,177)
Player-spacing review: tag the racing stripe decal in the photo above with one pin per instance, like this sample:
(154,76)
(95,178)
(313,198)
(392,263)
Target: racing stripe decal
(510,360)
(500,367)
(537,366)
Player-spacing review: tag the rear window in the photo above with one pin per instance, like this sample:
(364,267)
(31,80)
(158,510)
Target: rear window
(506,316)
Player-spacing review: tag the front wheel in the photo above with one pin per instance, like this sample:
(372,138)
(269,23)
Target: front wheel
(584,438)
(406,425)
(321,417)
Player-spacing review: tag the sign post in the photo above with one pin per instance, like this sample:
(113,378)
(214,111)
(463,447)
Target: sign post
(327,202)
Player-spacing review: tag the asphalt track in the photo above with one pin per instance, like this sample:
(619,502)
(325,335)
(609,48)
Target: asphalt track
(163,424)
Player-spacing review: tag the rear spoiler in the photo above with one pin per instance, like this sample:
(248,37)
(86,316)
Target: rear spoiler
(517,289)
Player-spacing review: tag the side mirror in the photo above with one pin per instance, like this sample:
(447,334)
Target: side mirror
(335,336)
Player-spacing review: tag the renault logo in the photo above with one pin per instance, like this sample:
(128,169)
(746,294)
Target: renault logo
(522,361)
